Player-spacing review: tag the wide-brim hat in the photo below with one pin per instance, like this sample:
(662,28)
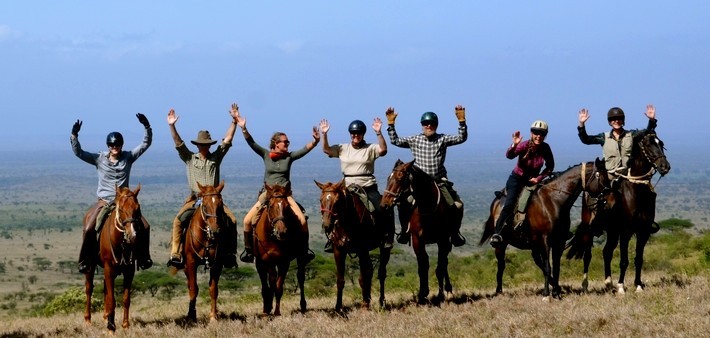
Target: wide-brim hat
(203,137)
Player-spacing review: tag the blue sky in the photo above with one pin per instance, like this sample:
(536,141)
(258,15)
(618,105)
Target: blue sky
(290,63)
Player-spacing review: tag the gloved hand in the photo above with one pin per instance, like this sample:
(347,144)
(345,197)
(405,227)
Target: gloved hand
(391,115)
(143,120)
(75,129)
(460,113)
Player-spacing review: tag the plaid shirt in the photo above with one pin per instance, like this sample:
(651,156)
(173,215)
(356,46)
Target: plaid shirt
(204,171)
(429,152)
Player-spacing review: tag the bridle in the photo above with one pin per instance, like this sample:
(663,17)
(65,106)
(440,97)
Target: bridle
(403,182)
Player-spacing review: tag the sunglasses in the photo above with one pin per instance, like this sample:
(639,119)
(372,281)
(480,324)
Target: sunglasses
(538,133)
(428,123)
(114,145)
(286,142)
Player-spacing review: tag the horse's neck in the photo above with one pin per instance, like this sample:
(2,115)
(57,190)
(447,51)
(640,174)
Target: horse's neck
(638,165)
(565,188)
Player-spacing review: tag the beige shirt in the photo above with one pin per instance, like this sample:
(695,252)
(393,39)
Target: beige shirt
(204,171)
(357,165)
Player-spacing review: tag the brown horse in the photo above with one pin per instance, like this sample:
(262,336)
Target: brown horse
(278,239)
(429,220)
(117,244)
(546,226)
(353,231)
(633,211)
(203,239)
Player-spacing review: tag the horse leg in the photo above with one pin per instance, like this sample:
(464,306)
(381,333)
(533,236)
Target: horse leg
(128,275)
(422,267)
(193,289)
(301,279)
(556,257)
(267,294)
(339,256)
(500,257)
(641,240)
(612,240)
(279,279)
(215,272)
(89,290)
(366,272)
(623,261)
(382,273)
(587,259)
(109,299)
(442,270)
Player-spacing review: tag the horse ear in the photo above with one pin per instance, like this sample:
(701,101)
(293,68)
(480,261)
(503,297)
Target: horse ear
(138,189)
(220,186)
(200,186)
(320,185)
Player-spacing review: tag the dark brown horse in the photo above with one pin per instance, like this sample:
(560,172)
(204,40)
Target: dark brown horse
(203,239)
(429,220)
(278,239)
(353,231)
(546,226)
(633,211)
(117,244)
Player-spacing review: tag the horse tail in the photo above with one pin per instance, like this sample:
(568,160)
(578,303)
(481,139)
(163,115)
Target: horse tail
(488,228)
(580,241)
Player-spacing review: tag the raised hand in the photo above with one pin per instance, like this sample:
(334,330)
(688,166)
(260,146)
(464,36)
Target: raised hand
(234,112)
(143,120)
(460,113)
(324,126)
(316,134)
(172,118)
(391,115)
(583,116)
(650,111)
(76,127)
(377,125)
(517,138)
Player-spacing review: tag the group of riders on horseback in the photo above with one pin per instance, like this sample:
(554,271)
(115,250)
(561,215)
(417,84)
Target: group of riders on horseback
(357,165)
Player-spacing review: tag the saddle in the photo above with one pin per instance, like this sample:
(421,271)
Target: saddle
(102,215)
(359,192)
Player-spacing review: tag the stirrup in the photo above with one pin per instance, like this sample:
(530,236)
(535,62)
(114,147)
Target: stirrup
(403,237)
(496,240)
(328,246)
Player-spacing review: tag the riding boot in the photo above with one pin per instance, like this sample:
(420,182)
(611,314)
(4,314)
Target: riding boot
(144,260)
(247,255)
(88,251)
(403,236)
(457,238)
(388,242)
(175,257)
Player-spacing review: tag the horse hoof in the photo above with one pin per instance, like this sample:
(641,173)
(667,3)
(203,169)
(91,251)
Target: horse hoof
(607,282)
(639,288)
(546,299)
(620,289)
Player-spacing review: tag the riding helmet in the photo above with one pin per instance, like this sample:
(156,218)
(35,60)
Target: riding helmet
(357,127)
(540,127)
(114,137)
(615,113)
(430,117)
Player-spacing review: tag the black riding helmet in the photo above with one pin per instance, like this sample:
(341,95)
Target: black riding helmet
(357,127)
(615,113)
(114,137)
(430,117)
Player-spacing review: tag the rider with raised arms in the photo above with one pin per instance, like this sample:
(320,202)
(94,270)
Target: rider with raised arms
(357,163)
(429,151)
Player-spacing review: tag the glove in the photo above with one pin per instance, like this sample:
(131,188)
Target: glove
(461,114)
(75,129)
(143,120)
(391,116)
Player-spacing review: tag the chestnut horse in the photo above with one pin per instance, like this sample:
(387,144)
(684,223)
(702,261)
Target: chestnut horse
(117,243)
(278,239)
(203,239)
(429,220)
(546,226)
(353,231)
(633,212)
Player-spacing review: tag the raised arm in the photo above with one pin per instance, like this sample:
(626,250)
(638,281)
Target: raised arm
(324,128)
(172,119)
(377,127)
(234,113)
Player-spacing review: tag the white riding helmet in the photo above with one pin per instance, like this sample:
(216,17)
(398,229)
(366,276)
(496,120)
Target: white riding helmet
(539,126)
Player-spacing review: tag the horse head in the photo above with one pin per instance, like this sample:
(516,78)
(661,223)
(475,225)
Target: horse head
(278,210)
(211,207)
(332,198)
(653,152)
(127,213)
(397,182)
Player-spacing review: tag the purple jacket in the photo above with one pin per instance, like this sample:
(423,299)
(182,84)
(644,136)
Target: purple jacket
(530,161)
